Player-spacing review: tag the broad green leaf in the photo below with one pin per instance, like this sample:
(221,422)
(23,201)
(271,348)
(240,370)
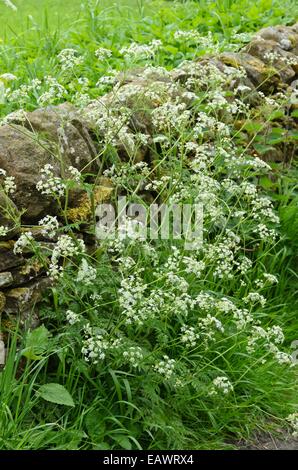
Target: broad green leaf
(56,393)
(36,343)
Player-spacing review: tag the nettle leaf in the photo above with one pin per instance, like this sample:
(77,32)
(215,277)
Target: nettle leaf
(56,393)
(36,343)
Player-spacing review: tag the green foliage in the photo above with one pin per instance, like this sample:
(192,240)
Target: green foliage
(55,393)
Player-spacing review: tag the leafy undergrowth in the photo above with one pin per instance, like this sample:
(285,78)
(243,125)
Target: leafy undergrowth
(147,344)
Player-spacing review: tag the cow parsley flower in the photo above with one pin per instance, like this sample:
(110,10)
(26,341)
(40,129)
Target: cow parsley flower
(134,356)
(50,184)
(86,273)
(255,297)
(69,59)
(24,241)
(72,317)
(102,53)
(221,384)
(189,336)
(49,226)
(3,231)
(165,367)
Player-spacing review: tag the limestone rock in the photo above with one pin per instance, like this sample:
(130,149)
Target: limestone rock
(26,149)
(6,279)
(22,299)
(8,259)
(285,36)
(60,125)
(263,77)
(281,59)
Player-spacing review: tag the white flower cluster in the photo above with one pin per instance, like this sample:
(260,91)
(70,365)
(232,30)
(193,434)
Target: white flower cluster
(221,384)
(3,231)
(268,279)
(22,94)
(131,295)
(206,42)
(69,59)
(72,317)
(209,326)
(86,273)
(209,124)
(222,255)
(24,241)
(50,184)
(127,174)
(138,51)
(189,336)
(268,339)
(165,367)
(193,266)
(55,91)
(273,57)
(254,298)
(96,345)
(64,248)
(170,116)
(49,226)
(75,174)
(134,355)
(102,53)
(8,185)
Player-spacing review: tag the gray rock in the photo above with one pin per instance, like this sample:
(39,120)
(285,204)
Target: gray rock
(6,279)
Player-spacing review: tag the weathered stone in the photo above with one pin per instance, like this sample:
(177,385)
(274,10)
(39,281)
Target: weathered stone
(60,124)
(21,299)
(263,49)
(263,77)
(26,273)
(24,152)
(9,260)
(285,36)
(6,279)
(85,206)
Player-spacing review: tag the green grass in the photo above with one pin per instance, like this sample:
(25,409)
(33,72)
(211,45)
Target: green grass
(116,405)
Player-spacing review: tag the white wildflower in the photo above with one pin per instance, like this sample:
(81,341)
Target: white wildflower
(72,317)
(3,231)
(165,367)
(134,356)
(86,273)
(50,184)
(24,241)
(49,226)
(102,53)
(221,384)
